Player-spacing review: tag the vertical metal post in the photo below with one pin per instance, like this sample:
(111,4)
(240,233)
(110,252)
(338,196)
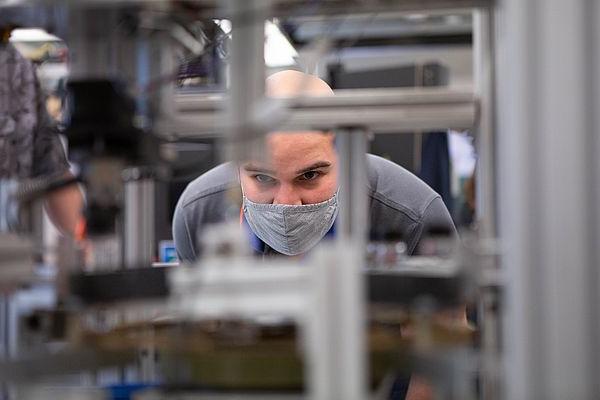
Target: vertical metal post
(352,222)
(484,84)
(92,54)
(97,46)
(483,70)
(593,33)
(139,227)
(246,74)
(163,103)
(339,369)
(546,197)
(353,228)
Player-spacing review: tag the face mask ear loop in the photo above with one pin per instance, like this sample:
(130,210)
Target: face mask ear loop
(240,181)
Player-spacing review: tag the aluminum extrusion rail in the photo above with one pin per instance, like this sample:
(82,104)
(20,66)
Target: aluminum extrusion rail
(378,110)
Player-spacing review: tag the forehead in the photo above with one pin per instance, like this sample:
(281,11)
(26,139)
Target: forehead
(296,150)
(279,143)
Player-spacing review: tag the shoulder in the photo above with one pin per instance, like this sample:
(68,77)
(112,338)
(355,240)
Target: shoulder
(202,202)
(397,189)
(402,206)
(210,184)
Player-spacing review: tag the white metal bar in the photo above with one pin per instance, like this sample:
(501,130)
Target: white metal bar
(484,75)
(352,219)
(407,5)
(246,74)
(139,221)
(343,7)
(563,109)
(544,122)
(515,103)
(238,287)
(383,111)
(593,25)
(483,57)
(344,97)
(351,236)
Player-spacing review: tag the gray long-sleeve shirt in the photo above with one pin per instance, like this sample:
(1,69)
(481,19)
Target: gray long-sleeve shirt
(400,205)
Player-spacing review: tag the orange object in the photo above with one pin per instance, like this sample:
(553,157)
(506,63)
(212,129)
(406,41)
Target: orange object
(80,229)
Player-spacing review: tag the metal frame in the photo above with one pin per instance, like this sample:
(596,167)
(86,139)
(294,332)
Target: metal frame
(246,76)
(548,190)
(336,331)
(138,219)
(381,110)
(484,81)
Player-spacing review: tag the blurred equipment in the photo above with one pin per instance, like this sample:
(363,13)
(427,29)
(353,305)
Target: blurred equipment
(151,81)
(119,164)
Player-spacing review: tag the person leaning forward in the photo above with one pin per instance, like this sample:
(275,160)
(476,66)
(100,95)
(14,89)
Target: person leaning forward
(299,183)
(289,203)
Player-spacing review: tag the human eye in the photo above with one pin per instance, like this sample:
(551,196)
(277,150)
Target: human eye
(264,179)
(310,175)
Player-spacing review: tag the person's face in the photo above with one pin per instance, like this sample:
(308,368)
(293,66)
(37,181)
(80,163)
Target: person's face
(301,169)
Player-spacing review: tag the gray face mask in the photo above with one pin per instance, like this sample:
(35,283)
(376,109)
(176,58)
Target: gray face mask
(289,229)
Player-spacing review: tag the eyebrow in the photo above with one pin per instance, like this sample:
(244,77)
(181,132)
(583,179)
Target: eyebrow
(317,165)
(256,168)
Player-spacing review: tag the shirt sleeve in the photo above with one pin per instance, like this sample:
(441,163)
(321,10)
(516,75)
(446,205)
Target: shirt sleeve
(435,218)
(49,157)
(184,245)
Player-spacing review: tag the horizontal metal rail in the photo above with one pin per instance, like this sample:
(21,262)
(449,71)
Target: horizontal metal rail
(282,7)
(379,110)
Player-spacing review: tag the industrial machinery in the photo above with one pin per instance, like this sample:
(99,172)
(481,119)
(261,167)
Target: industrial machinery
(340,324)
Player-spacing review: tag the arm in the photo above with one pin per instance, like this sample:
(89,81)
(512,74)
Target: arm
(419,389)
(435,218)
(64,207)
(182,235)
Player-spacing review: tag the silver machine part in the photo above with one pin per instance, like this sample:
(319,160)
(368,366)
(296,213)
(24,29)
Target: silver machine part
(548,58)
(246,77)
(484,84)
(340,362)
(336,335)
(101,50)
(139,226)
(382,110)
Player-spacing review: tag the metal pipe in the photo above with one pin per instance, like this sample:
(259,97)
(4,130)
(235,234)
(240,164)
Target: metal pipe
(545,119)
(138,240)
(483,59)
(382,110)
(246,75)
(347,292)
(484,79)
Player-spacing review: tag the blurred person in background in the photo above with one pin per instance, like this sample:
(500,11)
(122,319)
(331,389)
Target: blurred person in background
(29,143)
